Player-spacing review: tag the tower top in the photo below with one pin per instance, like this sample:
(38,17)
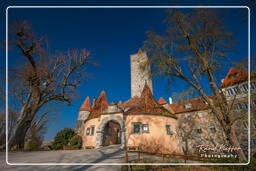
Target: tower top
(86,106)
(140,73)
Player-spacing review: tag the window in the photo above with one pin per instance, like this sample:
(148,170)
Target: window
(145,128)
(139,128)
(212,129)
(235,89)
(188,116)
(232,91)
(244,87)
(241,106)
(253,85)
(90,131)
(253,141)
(254,101)
(200,114)
(169,130)
(199,130)
(245,125)
(188,105)
(136,128)
(234,75)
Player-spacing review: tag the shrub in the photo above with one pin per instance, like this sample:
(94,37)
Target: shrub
(76,142)
(62,138)
(30,146)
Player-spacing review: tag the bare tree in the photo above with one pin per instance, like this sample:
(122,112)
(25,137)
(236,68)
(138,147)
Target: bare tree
(193,50)
(42,78)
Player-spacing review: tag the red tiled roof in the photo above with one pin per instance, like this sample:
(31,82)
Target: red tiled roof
(145,104)
(100,105)
(86,105)
(194,104)
(161,101)
(131,102)
(234,76)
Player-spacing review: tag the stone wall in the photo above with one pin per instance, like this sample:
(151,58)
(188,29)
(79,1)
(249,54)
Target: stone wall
(199,128)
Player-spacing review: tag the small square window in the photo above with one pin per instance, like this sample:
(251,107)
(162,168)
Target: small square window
(213,129)
(136,128)
(145,128)
(188,115)
(169,130)
(199,130)
(200,114)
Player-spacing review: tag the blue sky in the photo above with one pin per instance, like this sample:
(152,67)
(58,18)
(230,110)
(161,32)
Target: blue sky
(111,35)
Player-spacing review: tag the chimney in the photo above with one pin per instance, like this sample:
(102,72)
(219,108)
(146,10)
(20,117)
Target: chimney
(170,100)
(222,80)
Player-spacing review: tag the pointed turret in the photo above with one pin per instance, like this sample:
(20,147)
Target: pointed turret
(86,106)
(100,105)
(83,114)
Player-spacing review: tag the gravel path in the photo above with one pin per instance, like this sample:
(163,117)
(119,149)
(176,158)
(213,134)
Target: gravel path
(109,154)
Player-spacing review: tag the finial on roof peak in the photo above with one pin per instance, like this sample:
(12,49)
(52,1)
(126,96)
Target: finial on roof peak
(102,92)
(140,51)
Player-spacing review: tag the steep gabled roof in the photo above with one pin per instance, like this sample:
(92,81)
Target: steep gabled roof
(145,104)
(86,106)
(234,76)
(100,105)
(161,101)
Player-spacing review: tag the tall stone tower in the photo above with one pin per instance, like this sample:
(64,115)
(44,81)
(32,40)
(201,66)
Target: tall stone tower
(140,73)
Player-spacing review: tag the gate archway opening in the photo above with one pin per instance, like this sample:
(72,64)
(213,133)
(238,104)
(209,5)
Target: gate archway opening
(111,133)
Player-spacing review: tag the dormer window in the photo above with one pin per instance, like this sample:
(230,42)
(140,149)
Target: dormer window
(188,105)
(234,75)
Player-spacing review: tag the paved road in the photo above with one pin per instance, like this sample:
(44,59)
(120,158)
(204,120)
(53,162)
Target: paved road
(109,154)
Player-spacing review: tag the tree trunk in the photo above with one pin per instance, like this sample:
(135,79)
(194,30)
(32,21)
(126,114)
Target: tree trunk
(234,141)
(19,133)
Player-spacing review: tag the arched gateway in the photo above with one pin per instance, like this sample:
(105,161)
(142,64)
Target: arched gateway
(116,136)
